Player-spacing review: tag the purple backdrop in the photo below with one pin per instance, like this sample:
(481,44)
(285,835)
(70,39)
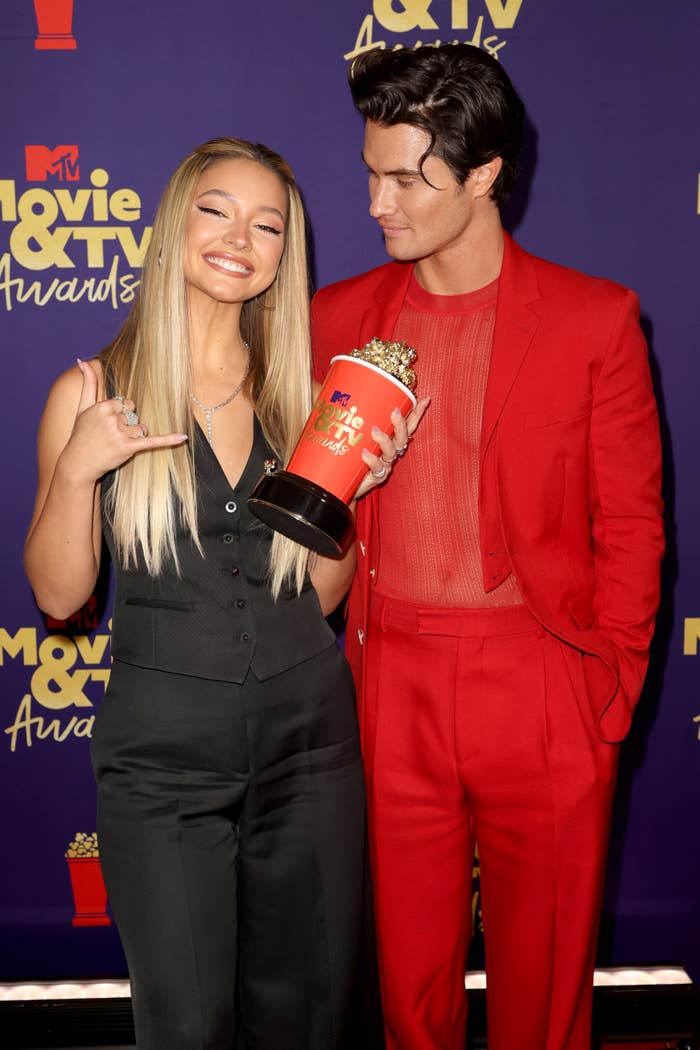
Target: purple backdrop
(98,109)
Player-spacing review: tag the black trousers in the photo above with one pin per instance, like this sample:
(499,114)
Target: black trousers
(231,824)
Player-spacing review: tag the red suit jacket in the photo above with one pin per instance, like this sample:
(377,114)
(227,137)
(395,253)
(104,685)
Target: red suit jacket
(570,463)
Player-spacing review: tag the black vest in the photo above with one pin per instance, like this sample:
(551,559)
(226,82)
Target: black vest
(217,618)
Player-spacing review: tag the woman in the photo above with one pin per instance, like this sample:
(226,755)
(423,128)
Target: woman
(230,790)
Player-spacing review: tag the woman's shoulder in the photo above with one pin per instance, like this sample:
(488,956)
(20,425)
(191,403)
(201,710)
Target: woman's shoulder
(66,393)
(69,384)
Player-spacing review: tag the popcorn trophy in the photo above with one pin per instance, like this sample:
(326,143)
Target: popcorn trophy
(308,502)
(54,19)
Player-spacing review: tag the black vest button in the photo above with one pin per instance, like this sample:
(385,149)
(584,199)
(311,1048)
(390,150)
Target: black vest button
(231,506)
(240,603)
(227,537)
(245,637)
(235,571)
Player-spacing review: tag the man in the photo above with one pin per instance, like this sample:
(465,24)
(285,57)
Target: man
(507,580)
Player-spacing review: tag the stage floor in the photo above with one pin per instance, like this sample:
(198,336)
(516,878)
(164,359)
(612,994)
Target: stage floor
(640,1008)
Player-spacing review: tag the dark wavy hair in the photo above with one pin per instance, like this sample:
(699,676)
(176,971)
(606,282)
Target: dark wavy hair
(458,94)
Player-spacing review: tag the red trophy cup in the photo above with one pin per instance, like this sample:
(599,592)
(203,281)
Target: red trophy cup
(308,502)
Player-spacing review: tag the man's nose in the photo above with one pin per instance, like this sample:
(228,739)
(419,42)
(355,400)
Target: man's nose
(380,200)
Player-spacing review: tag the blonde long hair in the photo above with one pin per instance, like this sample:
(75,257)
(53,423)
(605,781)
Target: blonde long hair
(149,361)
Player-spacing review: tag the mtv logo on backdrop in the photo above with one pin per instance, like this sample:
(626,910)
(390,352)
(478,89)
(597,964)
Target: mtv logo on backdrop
(61,162)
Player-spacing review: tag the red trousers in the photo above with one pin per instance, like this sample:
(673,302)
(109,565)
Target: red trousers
(476,729)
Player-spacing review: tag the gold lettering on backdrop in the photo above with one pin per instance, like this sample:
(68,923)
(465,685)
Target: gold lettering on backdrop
(697,719)
(691,635)
(37,248)
(460,14)
(364,41)
(22,641)
(405,16)
(64,228)
(413,16)
(28,724)
(91,652)
(134,251)
(112,288)
(53,684)
(63,668)
(503,15)
(71,206)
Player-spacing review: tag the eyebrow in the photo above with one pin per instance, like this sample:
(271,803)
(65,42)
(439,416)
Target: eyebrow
(414,172)
(230,197)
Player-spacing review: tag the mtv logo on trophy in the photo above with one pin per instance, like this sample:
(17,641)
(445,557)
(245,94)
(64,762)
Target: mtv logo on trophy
(54,19)
(308,501)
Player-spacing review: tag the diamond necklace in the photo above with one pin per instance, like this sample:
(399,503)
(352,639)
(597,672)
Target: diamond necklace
(209,411)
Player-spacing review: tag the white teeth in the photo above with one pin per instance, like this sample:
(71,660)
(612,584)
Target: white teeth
(227,264)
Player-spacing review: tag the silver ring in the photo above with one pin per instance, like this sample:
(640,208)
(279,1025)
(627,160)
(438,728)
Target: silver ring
(378,474)
(400,451)
(119,398)
(131,419)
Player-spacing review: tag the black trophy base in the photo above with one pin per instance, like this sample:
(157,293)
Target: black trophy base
(303,511)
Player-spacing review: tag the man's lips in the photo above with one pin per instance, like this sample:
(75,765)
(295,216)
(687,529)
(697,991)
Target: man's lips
(230,264)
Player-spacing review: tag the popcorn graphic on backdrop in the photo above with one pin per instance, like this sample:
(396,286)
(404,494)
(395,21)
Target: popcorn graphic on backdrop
(89,893)
(83,846)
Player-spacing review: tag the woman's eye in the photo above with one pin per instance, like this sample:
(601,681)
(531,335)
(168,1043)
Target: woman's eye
(269,229)
(210,211)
